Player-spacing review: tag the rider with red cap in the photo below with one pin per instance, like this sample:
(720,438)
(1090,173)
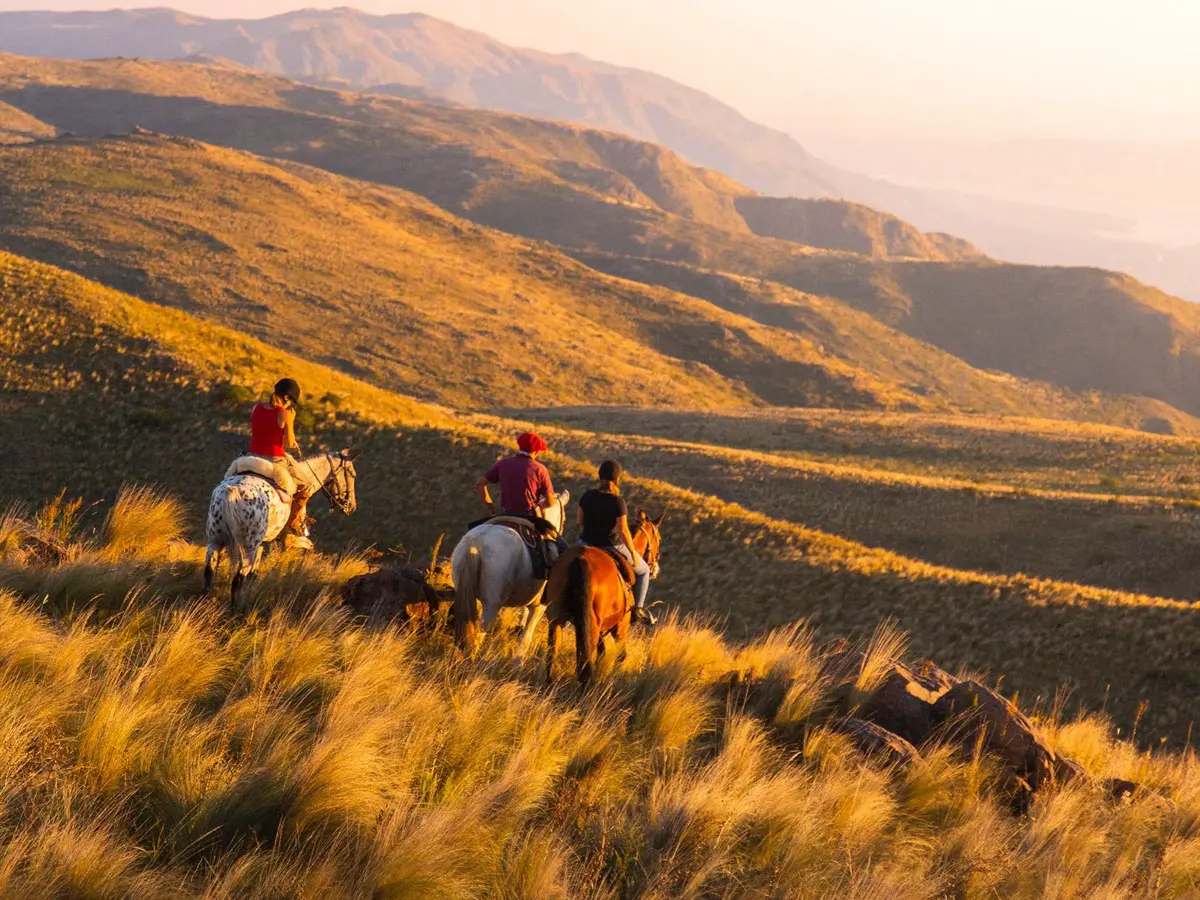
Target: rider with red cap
(525,487)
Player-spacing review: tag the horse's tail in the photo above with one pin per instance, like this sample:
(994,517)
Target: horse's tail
(587,629)
(466,593)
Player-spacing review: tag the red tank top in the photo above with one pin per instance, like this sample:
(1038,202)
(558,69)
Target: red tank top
(266,434)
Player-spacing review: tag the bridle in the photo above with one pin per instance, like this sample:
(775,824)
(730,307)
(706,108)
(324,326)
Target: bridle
(648,528)
(339,500)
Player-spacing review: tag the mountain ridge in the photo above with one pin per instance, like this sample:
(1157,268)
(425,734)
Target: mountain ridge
(472,69)
(572,187)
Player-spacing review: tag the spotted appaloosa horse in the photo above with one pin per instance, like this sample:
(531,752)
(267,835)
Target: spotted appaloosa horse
(247,512)
(588,590)
(491,567)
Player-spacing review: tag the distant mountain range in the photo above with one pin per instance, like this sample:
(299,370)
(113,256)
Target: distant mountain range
(419,57)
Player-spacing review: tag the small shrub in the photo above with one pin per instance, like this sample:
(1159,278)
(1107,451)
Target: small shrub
(236,394)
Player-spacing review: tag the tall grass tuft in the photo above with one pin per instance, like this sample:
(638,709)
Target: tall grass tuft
(143,523)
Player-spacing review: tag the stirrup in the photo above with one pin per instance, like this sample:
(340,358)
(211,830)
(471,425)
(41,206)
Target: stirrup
(643,616)
(293,541)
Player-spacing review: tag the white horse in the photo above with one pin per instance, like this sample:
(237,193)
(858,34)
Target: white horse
(491,565)
(247,512)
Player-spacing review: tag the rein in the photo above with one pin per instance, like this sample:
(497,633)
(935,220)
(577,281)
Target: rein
(336,501)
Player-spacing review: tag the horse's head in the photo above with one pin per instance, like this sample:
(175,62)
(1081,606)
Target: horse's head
(341,483)
(556,515)
(649,532)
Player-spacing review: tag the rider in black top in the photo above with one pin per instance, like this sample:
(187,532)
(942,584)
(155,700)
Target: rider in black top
(605,520)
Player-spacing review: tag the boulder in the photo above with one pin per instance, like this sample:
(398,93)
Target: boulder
(875,741)
(976,716)
(906,702)
(392,594)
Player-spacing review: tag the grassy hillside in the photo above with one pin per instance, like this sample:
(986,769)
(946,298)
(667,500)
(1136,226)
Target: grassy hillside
(111,390)
(1031,454)
(923,368)
(442,309)
(17,126)
(598,192)
(167,752)
(418,301)
(156,748)
(1142,544)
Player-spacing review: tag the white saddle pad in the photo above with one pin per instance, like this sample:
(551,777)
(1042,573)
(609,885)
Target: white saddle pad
(266,468)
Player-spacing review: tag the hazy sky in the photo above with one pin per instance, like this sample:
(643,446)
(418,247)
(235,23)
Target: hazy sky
(967,68)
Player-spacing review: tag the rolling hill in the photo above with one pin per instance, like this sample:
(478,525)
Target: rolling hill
(419,57)
(382,283)
(594,192)
(443,309)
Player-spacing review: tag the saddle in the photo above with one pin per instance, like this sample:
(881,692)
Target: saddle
(273,473)
(540,537)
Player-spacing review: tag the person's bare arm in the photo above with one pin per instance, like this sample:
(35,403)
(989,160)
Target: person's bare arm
(481,491)
(626,536)
(289,429)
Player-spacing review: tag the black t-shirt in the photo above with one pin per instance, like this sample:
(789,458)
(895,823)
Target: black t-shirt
(601,512)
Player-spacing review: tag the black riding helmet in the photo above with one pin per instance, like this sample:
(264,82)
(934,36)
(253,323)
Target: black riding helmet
(289,390)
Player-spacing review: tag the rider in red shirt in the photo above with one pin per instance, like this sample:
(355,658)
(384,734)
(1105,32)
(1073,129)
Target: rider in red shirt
(525,486)
(272,435)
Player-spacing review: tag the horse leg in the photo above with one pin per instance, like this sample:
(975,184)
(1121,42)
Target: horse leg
(552,650)
(621,636)
(235,587)
(492,597)
(520,626)
(533,618)
(208,568)
(255,560)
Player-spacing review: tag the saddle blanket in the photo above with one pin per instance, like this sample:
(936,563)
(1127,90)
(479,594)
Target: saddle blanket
(269,470)
(624,566)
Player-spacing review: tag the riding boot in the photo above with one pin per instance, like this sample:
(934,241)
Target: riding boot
(297,523)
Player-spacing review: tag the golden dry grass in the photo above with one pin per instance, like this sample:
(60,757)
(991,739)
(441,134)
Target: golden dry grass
(161,750)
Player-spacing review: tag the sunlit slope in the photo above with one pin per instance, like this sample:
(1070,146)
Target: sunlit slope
(1087,534)
(17,127)
(1077,328)
(434,306)
(921,366)
(382,284)
(525,174)
(101,389)
(838,225)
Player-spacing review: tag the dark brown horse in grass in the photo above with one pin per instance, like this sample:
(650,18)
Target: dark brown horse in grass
(589,590)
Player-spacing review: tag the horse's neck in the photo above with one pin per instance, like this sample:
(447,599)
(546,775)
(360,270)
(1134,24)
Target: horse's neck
(315,470)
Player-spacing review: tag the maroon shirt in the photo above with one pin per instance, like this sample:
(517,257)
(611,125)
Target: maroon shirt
(523,480)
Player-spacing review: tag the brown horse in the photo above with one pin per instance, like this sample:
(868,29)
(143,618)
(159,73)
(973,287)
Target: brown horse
(589,590)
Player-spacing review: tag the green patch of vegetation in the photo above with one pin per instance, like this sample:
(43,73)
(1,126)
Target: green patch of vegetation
(111,181)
